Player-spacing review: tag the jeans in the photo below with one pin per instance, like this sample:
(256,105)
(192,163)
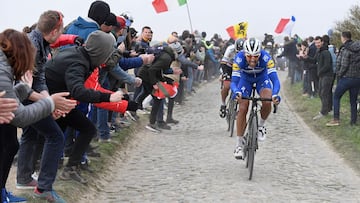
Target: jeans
(31,147)
(52,151)
(99,117)
(344,84)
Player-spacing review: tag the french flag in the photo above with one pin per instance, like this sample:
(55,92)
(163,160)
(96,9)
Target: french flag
(285,26)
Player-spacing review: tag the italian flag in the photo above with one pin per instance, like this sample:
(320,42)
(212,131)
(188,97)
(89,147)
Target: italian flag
(167,5)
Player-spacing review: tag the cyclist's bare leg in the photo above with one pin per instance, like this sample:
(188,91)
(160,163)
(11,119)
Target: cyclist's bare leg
(266,105)
(225,91)
(241,117)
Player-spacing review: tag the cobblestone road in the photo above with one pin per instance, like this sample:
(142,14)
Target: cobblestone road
(193,162)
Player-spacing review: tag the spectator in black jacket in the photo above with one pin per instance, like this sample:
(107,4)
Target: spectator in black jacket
(314,79)
(151,75)
(68,71)
(325,73)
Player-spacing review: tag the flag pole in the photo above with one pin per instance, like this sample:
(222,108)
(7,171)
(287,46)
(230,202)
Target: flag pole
(188,12)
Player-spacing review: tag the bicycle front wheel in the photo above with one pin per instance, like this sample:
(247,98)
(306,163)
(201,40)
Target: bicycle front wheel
(251,144)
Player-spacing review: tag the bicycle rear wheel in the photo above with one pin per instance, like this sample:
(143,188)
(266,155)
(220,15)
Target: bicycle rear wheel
(251,144)
(232,112)
(228,114)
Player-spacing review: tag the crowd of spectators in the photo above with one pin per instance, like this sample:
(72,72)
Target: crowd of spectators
(93,77)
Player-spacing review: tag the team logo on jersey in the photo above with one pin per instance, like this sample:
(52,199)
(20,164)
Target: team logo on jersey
(235,67)
(270,64)
(243,88)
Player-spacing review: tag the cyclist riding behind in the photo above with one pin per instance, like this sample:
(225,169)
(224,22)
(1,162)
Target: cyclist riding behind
(226,67)
(255,66)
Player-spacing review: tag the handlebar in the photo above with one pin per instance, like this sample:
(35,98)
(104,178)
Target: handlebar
(256,99)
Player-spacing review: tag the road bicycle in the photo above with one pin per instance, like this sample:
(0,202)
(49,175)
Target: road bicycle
(252,129)
(230,111)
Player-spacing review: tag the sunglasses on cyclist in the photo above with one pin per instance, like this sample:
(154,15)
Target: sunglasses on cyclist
(249,56)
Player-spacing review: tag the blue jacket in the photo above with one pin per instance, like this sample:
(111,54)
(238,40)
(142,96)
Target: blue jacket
(128,63)
(82,27)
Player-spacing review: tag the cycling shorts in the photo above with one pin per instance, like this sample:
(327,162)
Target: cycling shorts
(226,72)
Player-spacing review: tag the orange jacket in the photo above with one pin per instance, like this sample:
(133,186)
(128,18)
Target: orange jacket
(92,82)
(63,40)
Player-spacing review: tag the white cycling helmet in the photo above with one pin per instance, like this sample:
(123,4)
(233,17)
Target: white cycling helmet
(252,46)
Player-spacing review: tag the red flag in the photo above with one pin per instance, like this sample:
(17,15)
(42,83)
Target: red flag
(230,31)
(160,6)
(166,90)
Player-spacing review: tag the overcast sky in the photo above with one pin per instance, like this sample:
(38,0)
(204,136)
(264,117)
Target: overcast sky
(313,17)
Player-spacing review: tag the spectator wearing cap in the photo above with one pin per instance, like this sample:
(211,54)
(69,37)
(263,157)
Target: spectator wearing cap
(98,13)
(113,75)
(110,23)
(83,27)
(121,31)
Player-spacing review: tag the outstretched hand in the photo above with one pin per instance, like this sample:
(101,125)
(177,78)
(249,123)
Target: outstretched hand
(62,103)
(116,96)
(7,106)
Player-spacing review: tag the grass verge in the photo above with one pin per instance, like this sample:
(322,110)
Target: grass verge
(345,139)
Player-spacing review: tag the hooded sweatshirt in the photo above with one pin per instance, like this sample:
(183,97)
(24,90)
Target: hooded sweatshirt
(70,68)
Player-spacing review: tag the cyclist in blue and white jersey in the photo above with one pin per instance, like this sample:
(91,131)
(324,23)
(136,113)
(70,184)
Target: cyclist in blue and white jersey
(226,67)
(255,66)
